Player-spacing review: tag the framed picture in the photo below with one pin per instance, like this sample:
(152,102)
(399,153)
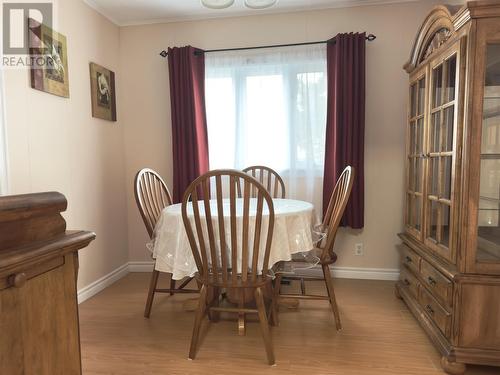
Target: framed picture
(49,56)
(102,86)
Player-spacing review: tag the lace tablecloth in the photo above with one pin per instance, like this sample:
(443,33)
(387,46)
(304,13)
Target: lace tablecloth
(292,234)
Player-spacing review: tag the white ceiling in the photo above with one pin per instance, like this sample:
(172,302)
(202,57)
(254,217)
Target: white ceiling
(133,12)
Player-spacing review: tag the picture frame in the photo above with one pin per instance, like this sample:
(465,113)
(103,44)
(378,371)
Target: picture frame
(49,56)
(102,90)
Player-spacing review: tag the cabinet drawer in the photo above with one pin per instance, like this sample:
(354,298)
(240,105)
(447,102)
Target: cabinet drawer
(441,287)
(410,282)
(410,259)
(7,280)
(439,315)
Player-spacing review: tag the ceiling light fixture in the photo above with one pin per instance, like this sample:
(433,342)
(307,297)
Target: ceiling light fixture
(252,4)
(259,4)
(217,4)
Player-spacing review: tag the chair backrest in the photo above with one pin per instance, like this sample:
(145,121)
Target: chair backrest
(336,207)
(151,196)
(269,178)
(224,247)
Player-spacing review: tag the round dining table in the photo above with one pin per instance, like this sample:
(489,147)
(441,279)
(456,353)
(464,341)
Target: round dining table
(293,223)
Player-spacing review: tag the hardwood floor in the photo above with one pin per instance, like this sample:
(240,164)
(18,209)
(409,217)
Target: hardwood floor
(379,336)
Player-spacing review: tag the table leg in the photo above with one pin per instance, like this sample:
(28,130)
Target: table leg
(241,315)
(214,297)
(241,324)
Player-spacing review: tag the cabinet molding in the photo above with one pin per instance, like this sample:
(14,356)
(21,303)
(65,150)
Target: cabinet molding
(38,275)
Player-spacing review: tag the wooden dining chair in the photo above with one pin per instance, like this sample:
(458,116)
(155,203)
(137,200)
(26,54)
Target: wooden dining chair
(324,250)
(152,196)
(228,255)
(267,177)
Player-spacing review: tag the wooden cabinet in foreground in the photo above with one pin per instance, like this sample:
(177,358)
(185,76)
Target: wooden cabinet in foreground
(39,332)
(450,253)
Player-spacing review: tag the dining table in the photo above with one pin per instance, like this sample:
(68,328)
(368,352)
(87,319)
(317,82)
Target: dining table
(294,221)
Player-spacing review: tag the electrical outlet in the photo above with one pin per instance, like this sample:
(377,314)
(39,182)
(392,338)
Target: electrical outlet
(358,249)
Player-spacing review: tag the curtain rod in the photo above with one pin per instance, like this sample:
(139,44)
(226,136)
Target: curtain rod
(369,37)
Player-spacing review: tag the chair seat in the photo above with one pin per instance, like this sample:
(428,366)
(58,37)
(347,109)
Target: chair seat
(289,266)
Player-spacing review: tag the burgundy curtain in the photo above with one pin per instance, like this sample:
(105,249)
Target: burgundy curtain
(189,120)
(345,124)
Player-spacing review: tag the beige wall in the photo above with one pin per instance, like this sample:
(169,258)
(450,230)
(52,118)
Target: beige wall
(147,114)
(55,144)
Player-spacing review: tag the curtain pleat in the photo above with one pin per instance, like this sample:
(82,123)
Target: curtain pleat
(189,124)
(345,124)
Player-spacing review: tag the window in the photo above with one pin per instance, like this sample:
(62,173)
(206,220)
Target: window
(268,107)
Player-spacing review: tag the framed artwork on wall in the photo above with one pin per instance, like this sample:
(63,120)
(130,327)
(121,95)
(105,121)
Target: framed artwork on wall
(102,86)
(49,56)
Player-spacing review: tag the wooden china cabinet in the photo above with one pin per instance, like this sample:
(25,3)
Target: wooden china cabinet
(450,277)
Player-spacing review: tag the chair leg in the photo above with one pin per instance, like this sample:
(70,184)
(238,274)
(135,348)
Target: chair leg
(172,284)
(151,293)
(273,311)
(302,287)
(200,313)
(331,294)
(264,326)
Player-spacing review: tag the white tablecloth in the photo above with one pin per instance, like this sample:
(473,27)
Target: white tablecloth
(292,234)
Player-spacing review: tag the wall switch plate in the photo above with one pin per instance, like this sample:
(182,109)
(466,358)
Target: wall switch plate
(358,249)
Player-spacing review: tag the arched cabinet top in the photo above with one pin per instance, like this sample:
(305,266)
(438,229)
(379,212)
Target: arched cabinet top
(441,23)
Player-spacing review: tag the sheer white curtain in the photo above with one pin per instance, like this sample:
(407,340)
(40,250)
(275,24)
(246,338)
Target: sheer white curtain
(268,107)
(3,145)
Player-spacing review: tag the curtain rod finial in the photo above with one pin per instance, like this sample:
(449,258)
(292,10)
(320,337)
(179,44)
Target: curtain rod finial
(371,37)
(163,53)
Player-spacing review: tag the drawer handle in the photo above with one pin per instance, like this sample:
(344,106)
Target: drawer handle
(408,259)
(17,280)
(406,282)
(431,281)
(429,309)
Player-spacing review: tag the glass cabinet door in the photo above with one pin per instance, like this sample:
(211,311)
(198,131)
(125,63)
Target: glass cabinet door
(440,156)
(415,157)
(488,223)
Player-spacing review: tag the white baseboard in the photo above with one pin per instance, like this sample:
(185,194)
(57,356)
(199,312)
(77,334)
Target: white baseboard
(391,274)
(146,266)
(92,289)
